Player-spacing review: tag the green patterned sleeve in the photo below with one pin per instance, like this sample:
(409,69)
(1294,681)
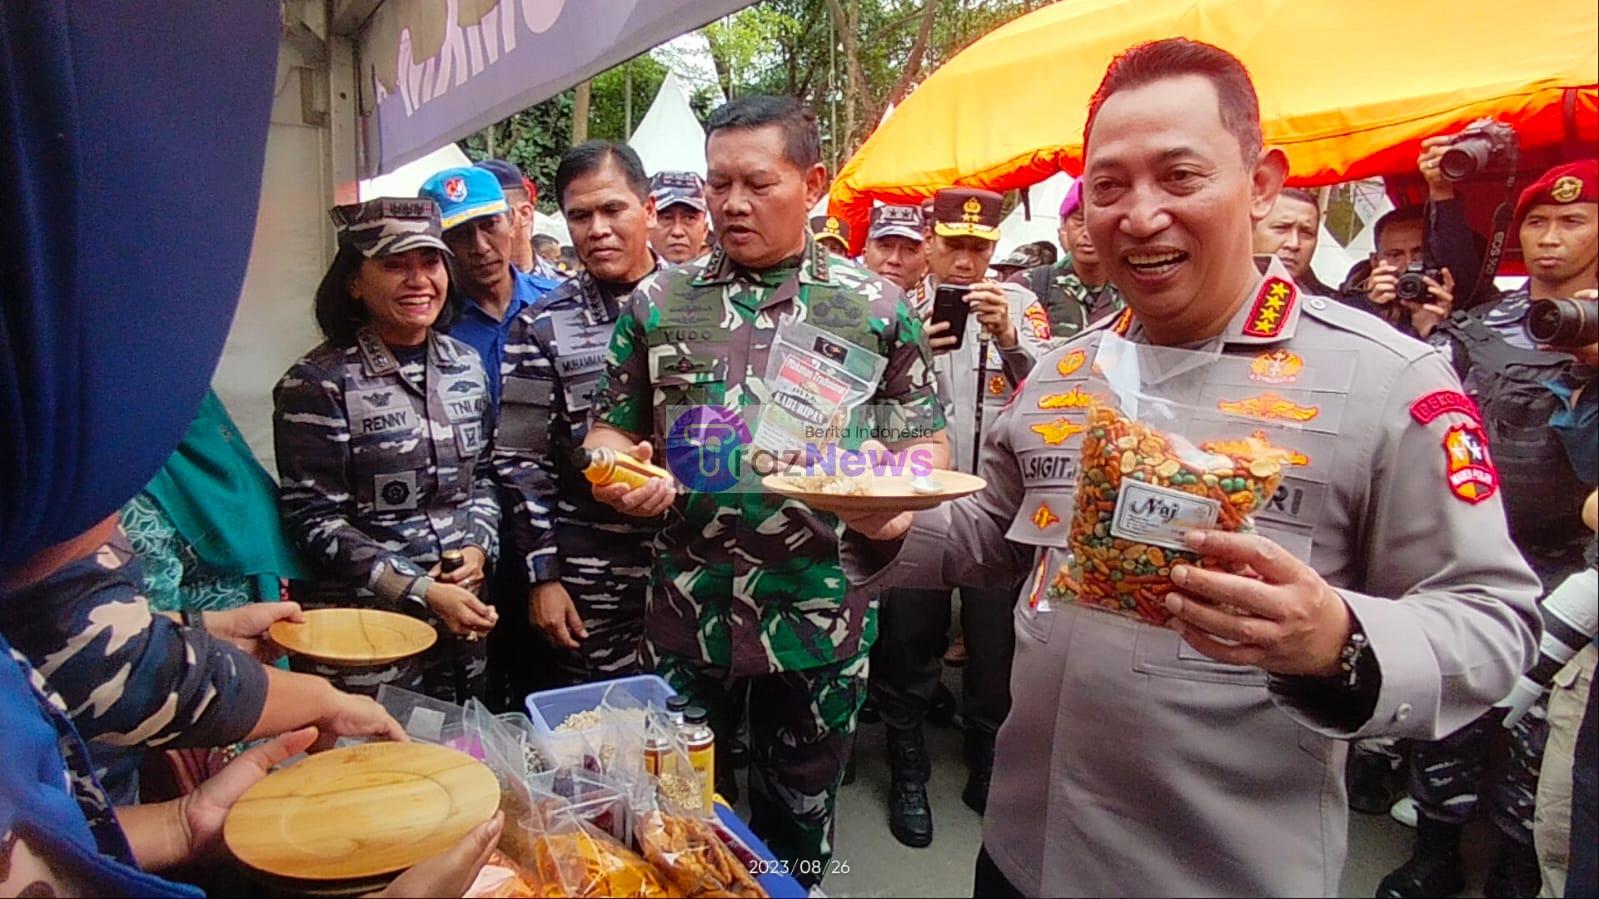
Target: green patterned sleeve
(157,546)
(622,399)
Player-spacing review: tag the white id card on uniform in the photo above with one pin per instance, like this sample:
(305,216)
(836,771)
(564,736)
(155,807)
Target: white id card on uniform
(814,380)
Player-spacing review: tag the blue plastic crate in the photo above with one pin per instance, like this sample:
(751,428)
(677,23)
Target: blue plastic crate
(549,708)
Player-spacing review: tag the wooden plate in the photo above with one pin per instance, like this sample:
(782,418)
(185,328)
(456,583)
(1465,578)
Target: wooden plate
(360,811)
(354,636)
(886,493)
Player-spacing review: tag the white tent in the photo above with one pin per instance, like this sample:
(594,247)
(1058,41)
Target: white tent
(670,137)
(1044,198)
(406,180)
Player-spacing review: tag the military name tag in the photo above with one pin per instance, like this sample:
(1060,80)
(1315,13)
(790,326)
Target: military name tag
(579,346)
(380,411)
(394,492)
(1146,513)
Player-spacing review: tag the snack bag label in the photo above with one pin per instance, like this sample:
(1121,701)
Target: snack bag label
(1146,513)
(813,383)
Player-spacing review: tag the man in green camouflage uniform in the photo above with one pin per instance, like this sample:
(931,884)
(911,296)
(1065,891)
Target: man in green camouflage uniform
(747,589)
(1076,291)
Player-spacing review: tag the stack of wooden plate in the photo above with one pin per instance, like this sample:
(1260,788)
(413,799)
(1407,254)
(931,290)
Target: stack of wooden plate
(346,821)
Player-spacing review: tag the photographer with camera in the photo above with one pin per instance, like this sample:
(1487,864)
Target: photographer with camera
(1536,404)
(1405,288)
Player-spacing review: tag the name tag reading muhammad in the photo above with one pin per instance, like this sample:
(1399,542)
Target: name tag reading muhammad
(1159,516)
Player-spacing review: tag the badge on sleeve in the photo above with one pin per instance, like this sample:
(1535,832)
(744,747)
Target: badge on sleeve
(1426,409)
(1468,467)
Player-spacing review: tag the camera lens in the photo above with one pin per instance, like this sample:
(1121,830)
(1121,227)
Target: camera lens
(1465,158)
(1410,287)
(1563,322)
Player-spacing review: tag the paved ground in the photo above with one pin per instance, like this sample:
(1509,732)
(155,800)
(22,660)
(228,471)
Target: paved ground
(880,866)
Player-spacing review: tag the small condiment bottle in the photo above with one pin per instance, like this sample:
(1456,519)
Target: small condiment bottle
(603,465)
(675,707)
(699,741)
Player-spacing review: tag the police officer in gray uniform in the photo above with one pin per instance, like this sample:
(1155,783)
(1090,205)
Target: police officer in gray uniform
(588,564)
(1204,756)
(382,446)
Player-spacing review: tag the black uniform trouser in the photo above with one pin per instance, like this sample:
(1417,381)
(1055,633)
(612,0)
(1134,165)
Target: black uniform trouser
(520,661)
(1582,870)
(907,660)
(989,882)
(1448,776)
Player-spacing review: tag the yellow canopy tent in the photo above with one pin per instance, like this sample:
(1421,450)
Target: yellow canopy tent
(1348,88)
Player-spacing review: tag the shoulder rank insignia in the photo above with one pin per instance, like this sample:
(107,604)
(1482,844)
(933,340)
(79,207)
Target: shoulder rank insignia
(1269,315)
(1269,406)
(1469,469)
(1124,322)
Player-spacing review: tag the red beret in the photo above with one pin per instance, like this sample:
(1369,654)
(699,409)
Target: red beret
(1574,182)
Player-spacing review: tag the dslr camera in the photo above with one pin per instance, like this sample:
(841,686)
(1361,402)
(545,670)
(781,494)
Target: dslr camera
(1485,145)
(1563,323)
(1412,284)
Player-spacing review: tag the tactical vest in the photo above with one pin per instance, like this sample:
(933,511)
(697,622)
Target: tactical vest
(1542,494)
(691,341)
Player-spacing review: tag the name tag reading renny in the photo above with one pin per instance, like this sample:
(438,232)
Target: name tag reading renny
(1160,516)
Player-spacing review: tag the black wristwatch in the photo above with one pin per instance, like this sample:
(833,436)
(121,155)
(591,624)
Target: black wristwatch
(1353,659)
(194,618)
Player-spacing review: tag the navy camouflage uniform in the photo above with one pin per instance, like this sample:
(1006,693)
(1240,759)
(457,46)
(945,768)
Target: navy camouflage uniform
(383,467)
(130,678)
(554,356)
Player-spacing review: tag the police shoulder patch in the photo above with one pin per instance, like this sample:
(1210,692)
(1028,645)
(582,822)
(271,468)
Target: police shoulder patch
(1468,467)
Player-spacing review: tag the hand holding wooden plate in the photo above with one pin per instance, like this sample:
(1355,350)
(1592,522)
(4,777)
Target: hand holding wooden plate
(883,493)
(360,811)
(354,636)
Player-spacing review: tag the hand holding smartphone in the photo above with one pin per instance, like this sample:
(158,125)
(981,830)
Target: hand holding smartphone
(949,305)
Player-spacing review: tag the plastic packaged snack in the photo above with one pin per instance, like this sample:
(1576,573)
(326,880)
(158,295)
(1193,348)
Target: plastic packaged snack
(573,858)
(692,857)
(1139,489)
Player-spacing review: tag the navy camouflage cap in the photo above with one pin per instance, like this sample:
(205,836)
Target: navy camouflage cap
(388,225)
(678,189)
(897,221)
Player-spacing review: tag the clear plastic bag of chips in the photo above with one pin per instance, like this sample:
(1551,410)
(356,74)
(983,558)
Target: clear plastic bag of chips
(1143,482)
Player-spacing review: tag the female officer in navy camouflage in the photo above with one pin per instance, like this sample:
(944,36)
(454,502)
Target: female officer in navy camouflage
(381,439)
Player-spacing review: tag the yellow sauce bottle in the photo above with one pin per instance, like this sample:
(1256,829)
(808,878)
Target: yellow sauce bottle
(699,741)
(603,465)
